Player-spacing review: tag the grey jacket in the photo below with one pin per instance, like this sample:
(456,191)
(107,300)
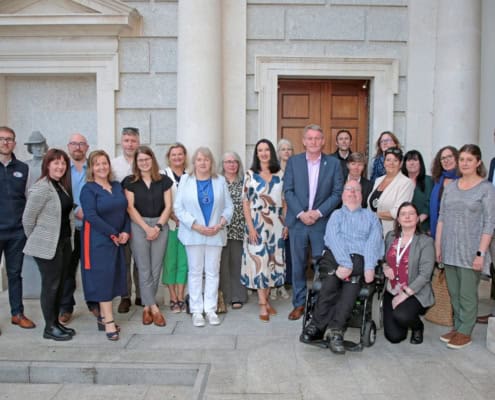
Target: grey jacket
(421,263)
(41,220)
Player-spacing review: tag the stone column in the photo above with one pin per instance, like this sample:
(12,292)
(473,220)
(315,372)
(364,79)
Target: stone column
(199,74)
(457,73)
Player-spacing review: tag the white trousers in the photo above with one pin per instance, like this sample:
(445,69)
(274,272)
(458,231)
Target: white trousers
(203,259)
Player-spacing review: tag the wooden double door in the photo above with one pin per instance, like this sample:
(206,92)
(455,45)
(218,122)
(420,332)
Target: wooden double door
(332,104)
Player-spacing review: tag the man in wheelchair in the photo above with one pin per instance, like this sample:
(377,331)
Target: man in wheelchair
(354,244)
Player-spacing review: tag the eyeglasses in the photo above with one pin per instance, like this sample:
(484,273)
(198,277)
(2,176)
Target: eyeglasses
(230,161)
(395,151)
(78,144)
(352,189)
(383,141)
(446,158)
(7,140)
(143,160)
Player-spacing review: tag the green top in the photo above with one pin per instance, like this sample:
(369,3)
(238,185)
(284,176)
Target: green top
(422,201)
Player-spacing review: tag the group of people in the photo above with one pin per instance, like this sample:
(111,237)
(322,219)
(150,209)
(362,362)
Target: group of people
(249,230)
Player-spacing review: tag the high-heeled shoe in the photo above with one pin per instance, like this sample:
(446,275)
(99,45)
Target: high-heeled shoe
(264,317)
(101,324)
(112,336)
(270,309)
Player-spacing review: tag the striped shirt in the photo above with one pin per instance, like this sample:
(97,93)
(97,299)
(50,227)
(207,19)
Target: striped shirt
(355,232)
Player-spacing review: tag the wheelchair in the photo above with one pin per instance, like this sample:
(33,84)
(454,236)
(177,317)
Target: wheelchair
(366,315)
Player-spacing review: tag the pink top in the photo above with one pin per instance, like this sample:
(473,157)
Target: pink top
(313,172)
(401,271)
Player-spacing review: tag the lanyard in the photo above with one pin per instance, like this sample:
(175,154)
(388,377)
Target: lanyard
(399,254)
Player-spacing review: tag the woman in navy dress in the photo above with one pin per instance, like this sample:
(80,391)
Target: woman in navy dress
(106,229)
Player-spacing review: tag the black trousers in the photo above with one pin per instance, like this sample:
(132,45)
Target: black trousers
(337,297)
(406,315)
(53,274)
(67,302)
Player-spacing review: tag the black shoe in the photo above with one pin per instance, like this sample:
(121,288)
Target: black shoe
(66,329)
(55,333)
(335,341)
(417,336)
(124,306)
(310,334)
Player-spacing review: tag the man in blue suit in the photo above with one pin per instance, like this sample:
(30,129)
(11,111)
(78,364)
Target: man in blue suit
(313,184)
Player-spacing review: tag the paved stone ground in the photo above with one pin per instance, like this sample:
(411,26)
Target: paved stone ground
(242,358)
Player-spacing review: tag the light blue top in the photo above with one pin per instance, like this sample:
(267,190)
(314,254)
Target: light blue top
(205,198)
(357,232)
(188,211)
(78,181)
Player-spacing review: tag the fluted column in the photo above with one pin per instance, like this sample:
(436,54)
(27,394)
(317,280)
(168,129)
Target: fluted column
(199,74)
(457,73)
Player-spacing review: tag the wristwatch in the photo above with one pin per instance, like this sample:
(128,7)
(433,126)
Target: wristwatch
(480,253)
(159,226)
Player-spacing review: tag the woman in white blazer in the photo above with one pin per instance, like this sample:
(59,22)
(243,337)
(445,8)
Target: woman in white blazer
(48,222)
(390,190)
(203,207)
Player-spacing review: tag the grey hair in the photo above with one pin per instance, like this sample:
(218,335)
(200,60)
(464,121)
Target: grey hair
(283,142)
(205,151)
(240,169)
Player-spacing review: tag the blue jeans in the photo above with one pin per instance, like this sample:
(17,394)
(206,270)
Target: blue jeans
(301,237)
(14,257)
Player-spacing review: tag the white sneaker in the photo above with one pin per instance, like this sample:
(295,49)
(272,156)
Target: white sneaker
(198,320)
(273,294)
(283,293)
(212,318)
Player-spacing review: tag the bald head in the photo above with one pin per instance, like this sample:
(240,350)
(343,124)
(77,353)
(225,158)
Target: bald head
(78,147)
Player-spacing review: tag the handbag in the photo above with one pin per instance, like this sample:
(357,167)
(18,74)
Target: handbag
(441,312)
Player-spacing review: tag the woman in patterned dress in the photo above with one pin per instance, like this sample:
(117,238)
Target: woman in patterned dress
(263,264)
(230,265)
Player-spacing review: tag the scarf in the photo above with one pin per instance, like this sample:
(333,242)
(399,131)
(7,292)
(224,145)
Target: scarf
(435,199)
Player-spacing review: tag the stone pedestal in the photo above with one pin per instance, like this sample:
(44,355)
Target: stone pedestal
(31,279)
(490,335)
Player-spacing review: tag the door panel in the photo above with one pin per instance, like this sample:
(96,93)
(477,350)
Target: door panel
(332,104)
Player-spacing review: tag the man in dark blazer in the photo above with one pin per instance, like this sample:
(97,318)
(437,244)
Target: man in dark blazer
(313,187)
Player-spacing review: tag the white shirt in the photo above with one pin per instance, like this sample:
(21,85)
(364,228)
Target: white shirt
(121,168)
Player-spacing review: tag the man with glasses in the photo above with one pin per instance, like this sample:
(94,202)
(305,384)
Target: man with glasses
(121,168)
(77,148)
(354,242)
(13,180)
(312,186)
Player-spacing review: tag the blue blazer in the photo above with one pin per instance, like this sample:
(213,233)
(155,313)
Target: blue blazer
(188,211)
(296,189)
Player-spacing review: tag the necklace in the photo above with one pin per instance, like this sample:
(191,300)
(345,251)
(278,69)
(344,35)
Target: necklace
(203,191)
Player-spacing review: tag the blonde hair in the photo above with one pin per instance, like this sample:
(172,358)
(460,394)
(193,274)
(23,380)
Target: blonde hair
(206,152)
(91,163)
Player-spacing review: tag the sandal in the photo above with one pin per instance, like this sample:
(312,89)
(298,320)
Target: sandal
(236,305)
(264,317)
(175,306)
(182,306)
(101,324)
(112,336)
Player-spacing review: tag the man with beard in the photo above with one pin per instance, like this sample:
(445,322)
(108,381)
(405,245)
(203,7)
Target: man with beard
(13,179)
(77,148)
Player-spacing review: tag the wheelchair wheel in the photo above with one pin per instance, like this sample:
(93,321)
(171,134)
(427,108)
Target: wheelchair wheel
(369,334)
(377,310)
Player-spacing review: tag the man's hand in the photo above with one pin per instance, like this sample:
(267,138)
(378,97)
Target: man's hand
(343,272)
